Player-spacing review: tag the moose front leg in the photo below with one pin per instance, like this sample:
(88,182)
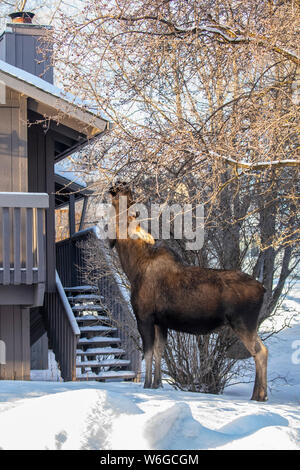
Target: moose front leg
(159,346)
(146,329)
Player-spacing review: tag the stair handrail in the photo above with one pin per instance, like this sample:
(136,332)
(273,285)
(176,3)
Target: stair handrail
(67,306)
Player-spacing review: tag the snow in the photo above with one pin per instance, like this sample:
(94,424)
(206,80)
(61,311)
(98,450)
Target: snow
(99,339)
(85,329)
(51,374)
(63,168)
(97,415)
(87,307)
(81,288)
(90,297)
(242,163)
(47,87)
(100,351)
(85,317)
(68,310)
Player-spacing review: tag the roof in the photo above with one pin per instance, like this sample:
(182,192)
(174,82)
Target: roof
(64,187)
(49,100)
(65,172)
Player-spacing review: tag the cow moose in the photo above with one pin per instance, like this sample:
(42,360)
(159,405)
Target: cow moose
(166,294)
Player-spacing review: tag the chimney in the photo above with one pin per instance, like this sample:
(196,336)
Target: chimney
(20,46)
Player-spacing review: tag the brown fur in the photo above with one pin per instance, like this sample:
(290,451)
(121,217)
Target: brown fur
(167,294)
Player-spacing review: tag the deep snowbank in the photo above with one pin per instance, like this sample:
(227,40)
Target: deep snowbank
(55,415)
(124,416)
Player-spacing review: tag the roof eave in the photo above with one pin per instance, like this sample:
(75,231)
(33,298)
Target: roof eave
(57,108)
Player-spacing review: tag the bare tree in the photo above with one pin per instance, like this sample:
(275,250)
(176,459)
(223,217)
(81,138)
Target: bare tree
(204,98)
(46,11)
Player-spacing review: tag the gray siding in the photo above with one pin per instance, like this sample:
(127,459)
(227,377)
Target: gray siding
(21,48)
(14,331)
(39,354)
(13,143)
(13,147)
(2,47)
(41,155)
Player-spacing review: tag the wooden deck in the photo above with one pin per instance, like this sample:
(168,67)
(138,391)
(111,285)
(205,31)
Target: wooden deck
(22,254)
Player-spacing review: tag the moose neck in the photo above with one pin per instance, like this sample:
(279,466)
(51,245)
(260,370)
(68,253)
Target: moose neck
(134,256)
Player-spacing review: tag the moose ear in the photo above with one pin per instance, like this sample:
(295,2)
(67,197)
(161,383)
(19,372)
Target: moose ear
(117,187)
(112,242)
(112,190)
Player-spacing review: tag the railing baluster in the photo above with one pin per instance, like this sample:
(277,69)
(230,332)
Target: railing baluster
(29,254)
(6,245)
(22,238)
(40,246)
(17,250)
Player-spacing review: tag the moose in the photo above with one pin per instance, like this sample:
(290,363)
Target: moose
(166,294)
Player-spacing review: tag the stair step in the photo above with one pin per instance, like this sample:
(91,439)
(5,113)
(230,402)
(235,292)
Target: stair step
(81,289)
(85,298)
(95,328)
(99,339)
(91,318)
(104,363)
(87,307)
(100,351)
(122,374)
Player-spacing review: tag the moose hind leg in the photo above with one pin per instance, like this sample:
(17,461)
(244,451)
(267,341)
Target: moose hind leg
(261,360)
(147,333)
(159,346)
(260,354)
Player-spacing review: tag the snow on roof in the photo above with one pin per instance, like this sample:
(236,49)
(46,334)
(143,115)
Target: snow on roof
(47,87)
(70,175)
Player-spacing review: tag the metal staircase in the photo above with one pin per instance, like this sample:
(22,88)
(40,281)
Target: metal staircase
(99,355)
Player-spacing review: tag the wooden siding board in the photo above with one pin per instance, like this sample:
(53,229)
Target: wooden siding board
(28,44)
(17,61)
(29,255)
(8,199)
(50,217)
(15,158)
(6,245)
(23,153)
(17,246)
(14,331)
(5,149)
(3,47)
(7,337)
(41,247)
(39,354)
(41,179)
(25,337)
(20,48)
(17,344)
(11,49)
(32,159)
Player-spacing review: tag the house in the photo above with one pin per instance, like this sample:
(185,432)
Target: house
(42,299)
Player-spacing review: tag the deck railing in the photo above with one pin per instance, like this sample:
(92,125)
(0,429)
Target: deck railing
(22,238)
(62,330)
(71,266)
